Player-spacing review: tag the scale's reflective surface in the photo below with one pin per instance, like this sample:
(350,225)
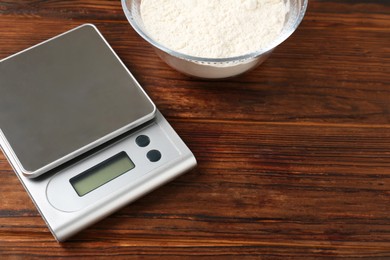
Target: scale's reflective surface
(72,114)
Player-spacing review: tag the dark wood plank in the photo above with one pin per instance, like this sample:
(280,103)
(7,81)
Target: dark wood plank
(294,156)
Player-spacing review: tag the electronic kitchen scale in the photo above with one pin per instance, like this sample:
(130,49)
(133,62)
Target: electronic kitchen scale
(80,132)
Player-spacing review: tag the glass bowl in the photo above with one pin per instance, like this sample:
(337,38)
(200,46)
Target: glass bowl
(215,68)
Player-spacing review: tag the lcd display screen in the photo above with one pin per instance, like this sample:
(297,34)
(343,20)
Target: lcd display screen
(102,173)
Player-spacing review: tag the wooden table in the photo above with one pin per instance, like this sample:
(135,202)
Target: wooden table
(294,156)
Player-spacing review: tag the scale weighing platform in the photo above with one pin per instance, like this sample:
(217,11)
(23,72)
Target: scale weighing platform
(80,132)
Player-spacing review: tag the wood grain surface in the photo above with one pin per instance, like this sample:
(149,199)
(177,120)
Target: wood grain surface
(294,156)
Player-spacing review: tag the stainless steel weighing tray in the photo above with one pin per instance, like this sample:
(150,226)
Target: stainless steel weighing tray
(65,96)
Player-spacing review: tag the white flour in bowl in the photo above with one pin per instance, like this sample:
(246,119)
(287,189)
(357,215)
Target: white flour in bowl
(214,28)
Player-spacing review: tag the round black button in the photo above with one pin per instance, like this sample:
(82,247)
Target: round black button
(154,155)
(142,140)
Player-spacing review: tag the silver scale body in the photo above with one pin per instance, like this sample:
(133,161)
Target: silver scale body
(65,212)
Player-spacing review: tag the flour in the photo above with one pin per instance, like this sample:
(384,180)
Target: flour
(214,28)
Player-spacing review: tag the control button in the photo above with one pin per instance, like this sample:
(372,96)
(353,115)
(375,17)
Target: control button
(142,140)
(154,155)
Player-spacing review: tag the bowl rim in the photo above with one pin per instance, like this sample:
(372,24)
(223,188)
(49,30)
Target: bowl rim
(198,59)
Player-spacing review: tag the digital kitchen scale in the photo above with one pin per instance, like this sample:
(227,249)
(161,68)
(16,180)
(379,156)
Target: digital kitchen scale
(80,132)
